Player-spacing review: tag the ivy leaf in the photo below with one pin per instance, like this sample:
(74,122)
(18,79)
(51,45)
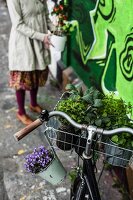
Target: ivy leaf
(98,122)
(114,138)
(96,94)
(88,98)
(106,120)
(70,87)
(98,103)
(80,91)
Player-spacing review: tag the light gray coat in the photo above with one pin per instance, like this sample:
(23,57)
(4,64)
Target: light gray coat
(30,23)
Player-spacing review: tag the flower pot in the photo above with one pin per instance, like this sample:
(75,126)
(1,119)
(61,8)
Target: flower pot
(65,137)
(116,155)
(54,173)
(58,42)
(79,143)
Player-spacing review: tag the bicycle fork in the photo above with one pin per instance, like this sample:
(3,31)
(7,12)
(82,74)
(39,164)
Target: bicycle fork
(88,167)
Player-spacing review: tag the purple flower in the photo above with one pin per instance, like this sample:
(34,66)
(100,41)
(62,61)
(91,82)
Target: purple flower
(38,160)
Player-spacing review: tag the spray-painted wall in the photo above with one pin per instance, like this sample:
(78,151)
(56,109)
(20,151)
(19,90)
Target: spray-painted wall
(101,47)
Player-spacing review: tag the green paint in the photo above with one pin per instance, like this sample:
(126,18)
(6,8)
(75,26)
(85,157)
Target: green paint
(102,45)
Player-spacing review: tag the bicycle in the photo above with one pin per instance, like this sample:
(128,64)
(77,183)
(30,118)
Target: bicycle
(85,185)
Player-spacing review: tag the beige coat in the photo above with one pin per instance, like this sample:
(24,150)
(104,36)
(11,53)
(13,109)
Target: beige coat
(30,23)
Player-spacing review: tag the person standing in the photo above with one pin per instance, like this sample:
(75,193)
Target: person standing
(29,54)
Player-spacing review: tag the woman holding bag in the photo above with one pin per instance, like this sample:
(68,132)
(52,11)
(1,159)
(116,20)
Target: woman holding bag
(29,54)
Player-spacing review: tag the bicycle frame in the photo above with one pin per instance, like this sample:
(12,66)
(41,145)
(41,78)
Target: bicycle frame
(88,176)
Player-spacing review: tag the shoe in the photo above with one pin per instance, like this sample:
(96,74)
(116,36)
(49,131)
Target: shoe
(25,119)
(36,109)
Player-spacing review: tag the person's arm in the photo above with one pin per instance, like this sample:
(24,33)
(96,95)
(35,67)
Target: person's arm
(18,23)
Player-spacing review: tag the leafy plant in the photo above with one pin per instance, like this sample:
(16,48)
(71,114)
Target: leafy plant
(73,173)
(38,160)
(123,140)
(93,99)
(74,108)
(116,111)
(94,108)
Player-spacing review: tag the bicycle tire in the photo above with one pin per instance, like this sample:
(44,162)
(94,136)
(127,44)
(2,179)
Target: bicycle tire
(79,192)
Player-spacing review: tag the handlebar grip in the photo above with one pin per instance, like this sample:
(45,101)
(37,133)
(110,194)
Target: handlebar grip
(25,131)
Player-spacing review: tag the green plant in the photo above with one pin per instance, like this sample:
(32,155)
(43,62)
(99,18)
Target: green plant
(123,140)
(117,111)
(105,111)
(74,108)
(73,173)
(93,98)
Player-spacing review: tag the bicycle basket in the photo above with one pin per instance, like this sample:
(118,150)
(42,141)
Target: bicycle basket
(67,138)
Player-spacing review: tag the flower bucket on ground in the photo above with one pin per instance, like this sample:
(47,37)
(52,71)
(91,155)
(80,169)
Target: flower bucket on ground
(46,164)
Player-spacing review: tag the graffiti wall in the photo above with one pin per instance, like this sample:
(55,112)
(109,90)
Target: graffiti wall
(101,47)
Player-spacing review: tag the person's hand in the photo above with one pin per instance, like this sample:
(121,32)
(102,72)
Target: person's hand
(47,41)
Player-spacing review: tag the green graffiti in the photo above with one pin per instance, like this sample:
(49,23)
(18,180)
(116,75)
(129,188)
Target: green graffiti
(111,18)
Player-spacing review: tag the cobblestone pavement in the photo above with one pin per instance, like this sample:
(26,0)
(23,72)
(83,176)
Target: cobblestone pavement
(15,183)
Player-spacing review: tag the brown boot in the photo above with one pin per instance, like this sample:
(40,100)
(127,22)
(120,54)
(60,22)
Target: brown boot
(25,119)
(36,108)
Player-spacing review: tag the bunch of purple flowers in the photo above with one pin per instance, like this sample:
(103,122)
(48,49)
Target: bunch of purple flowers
(38,160)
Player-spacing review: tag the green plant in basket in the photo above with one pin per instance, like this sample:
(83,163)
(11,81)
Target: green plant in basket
(74,108)
(79,105)
(118,147)
(118,112)
(104,111)
(91,98)
(94,108)
(123,140)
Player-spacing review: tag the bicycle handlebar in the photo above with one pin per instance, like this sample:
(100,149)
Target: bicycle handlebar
(44,117)
(23,132)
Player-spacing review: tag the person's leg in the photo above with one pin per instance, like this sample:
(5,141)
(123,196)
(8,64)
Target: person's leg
(20,96)
(21,114)
(33,101)
(33,97)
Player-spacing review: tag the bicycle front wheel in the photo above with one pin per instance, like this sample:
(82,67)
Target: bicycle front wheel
(79,190)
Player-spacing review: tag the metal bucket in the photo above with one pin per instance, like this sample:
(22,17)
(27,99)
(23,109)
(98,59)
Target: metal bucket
(54,173)
(117,156)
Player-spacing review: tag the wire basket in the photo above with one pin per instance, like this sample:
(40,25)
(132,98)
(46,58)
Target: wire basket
(68,138)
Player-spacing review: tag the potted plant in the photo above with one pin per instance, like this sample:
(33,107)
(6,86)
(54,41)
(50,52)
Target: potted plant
(78,106)
(75,108)
(63,26)
(94,108)
(46,164)
(118,147)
